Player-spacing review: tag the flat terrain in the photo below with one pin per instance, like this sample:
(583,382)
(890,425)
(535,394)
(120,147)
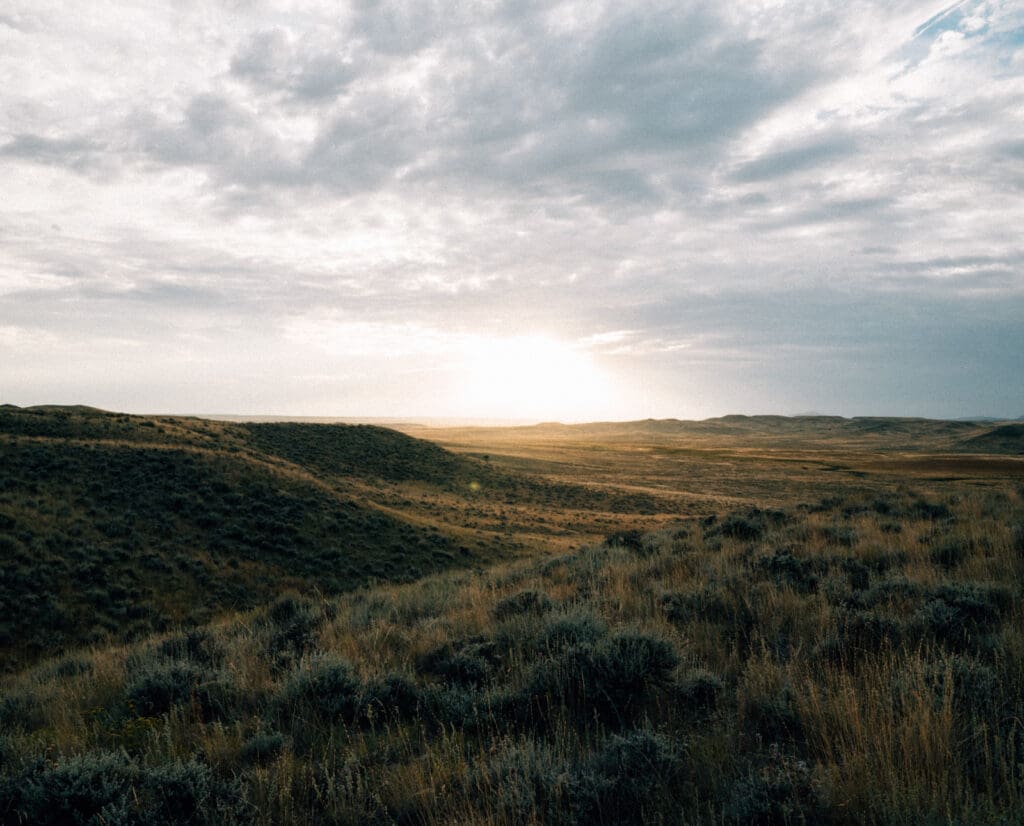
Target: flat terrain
(701,467)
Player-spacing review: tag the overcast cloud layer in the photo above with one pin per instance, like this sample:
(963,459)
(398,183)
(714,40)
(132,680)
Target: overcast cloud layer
(395,208)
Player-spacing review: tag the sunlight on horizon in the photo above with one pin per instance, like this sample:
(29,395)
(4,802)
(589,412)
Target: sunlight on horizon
(534,377)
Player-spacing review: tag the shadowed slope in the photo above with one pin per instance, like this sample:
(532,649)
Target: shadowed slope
(118,525)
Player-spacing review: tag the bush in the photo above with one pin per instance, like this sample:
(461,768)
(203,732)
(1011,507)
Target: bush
(1017,538)
(198,646)
(609,681)
(631,540)
(522,783)
(786,569)
(779,793)
(772,718)
(262,748)
(467,662)
(858,575)
(738,526)
(328,690)
(858,634)
(110,788)
(20,712)
(930,510)
(628,780)
(681,607)
(958,614)
(842,535)
(880,560)
(697,691)
(950,553)
(294,622)
(525,602)
(396,696)
(727,605)
(975,686)
(158,688)
(747,525)
(570,630)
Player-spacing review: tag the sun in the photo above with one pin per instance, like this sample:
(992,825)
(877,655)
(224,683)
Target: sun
(533,377)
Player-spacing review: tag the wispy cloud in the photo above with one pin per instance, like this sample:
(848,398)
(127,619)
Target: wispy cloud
(738,196)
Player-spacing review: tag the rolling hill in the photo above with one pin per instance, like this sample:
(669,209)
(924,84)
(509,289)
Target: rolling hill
(114,525)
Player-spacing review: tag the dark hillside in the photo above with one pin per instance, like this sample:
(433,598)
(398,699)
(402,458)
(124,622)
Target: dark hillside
(117,538)
(1004,438)
(112,526)
(358,450)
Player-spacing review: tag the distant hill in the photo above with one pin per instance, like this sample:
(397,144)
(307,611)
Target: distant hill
(862,432)
(1004,438)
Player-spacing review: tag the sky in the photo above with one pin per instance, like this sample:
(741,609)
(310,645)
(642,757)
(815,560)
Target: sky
(531,210)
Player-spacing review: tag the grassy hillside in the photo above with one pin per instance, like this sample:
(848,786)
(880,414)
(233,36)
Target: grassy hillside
(850,660)
(122,525)
(116,525)
(1003,438)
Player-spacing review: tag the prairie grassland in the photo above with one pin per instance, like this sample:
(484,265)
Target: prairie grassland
(853,658)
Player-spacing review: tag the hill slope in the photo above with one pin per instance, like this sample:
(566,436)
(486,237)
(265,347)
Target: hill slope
(120,525)
(855,660)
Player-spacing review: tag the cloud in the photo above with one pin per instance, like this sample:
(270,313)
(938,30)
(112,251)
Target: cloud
(663,184)
(272,62)
(799,157)
(80,154)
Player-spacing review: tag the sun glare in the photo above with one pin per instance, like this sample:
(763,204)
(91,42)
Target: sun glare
(534,377)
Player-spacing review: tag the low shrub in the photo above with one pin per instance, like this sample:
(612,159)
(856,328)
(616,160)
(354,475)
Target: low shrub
(158,688)
(780,792)
(950,553)
(1017,538)
(786,569)
(974,685)
(683,607)
(772,718)
(697,691)
(569,630)
(262,748)
(842,535)
(860,633)
(933,511)
(394,695)
(466,662)
(110,788)
(749,526)
(197,645)
(957,615)
(632,540)
(293,623)
(524,782)
(858,575)
(632,778)
(328,690)
(524,602)
(609,680)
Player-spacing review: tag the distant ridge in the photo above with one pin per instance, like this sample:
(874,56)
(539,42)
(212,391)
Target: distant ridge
(907,433)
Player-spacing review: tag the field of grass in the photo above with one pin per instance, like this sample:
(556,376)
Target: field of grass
(115,526)
(774,634)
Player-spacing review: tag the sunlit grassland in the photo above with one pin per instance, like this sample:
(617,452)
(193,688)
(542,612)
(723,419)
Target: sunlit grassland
(853,659)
